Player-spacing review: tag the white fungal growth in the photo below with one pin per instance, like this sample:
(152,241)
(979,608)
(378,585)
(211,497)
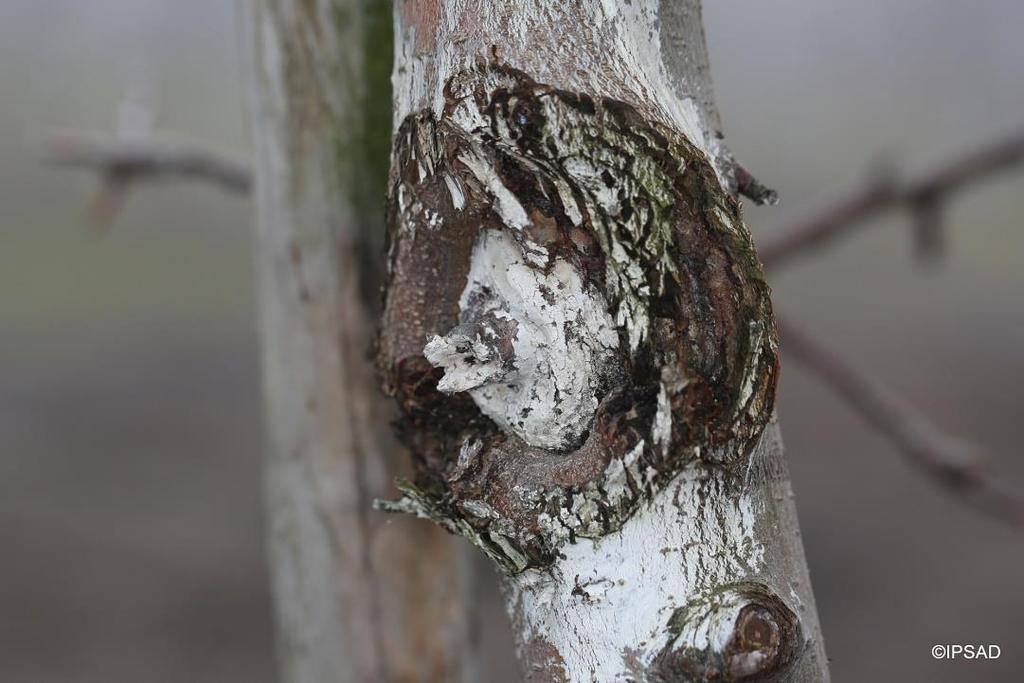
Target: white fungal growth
(563,347)
(616,594)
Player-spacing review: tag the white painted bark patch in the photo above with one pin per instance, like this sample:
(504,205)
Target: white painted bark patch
(564,344)
(605,606)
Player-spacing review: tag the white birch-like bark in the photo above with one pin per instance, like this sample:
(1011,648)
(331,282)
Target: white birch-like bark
(357,597)
(706,579)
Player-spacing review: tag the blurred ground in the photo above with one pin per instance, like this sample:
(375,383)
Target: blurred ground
(130,522)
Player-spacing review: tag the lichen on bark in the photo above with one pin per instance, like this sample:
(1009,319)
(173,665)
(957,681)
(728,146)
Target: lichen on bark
(670,348)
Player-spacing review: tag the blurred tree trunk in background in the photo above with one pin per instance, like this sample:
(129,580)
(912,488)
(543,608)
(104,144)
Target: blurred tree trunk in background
(363,598)
(359,596)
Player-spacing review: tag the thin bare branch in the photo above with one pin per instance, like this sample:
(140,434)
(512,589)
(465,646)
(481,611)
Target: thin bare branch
(137,160)
(953,462)
(923,196)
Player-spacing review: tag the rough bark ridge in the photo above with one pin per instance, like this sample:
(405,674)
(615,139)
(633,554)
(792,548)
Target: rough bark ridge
(356,599)
(579,336)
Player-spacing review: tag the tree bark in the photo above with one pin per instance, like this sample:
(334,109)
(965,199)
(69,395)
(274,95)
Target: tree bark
(579,337)
(356,598)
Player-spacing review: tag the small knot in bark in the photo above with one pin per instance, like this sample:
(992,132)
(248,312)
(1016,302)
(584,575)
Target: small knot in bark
(742,632)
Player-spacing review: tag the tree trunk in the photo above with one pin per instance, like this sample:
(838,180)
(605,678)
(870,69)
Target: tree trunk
(357,597)
(579,337)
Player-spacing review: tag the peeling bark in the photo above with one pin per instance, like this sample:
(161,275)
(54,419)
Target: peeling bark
(580,339)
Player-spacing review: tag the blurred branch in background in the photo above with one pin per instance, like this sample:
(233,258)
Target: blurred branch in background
(950,460)
(121,164)
(923,196)
(132,154)
(953,462)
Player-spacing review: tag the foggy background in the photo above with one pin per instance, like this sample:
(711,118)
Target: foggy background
(130,433)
